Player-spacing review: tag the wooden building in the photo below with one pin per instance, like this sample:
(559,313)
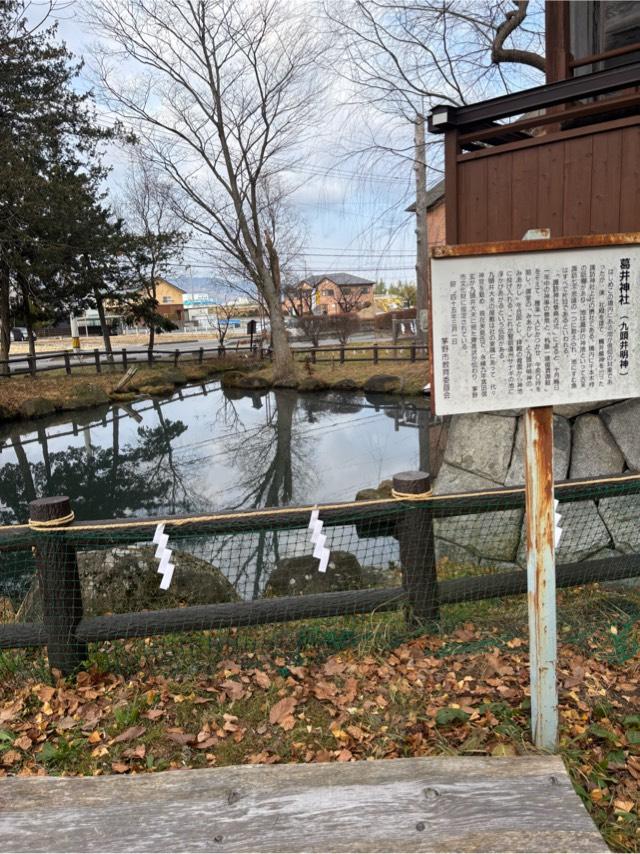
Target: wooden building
(565,155)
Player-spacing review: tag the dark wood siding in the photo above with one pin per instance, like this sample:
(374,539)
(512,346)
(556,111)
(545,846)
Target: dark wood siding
(574,182)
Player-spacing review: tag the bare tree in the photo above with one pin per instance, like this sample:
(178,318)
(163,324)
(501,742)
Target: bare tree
(299,298)
(352,298)
(224,95)
(154,244)
(345,326)
(312,326)
(223,314)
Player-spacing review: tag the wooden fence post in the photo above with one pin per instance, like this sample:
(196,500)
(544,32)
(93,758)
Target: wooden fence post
(32,365)
(417,548)
(413,352)
(176,356)
(201,355)
(342,355)
(124,360)
(313,355)
(96,356)
(375,354)
(59,584)
(67,362)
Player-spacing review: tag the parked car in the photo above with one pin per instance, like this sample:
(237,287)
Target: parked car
(20,333)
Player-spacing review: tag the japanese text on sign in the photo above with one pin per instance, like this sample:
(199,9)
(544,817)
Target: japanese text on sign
(535,329)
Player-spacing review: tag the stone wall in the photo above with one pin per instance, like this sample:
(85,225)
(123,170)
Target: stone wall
(484,451)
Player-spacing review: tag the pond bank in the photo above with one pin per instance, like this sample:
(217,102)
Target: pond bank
(27,397)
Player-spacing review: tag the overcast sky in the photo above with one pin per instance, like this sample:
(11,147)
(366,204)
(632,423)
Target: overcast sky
(354,217)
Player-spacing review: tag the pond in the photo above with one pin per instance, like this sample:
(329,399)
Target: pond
(206,449)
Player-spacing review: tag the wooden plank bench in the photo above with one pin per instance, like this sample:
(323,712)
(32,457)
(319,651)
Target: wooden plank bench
(424,804)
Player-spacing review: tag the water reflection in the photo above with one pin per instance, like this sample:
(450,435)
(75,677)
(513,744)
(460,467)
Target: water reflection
(206,449)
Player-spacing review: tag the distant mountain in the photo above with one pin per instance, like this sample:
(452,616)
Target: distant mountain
(216,288)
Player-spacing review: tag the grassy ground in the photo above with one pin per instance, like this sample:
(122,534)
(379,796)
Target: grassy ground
(27,397)
(343,690)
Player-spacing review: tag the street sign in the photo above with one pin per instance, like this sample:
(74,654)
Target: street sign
(251,327)
(535,328)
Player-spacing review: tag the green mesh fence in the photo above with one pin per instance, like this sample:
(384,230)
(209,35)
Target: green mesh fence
(250,581)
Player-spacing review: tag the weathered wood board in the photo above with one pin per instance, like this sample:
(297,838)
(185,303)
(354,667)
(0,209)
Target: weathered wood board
(425,804)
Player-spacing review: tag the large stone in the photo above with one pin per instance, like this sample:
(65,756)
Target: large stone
(386,383)
(594,449)
(35,407)
(621,515)
(297,575)
(583,533)
(571,410)
(235,379)
(120,580)
(481,444)
(494,535)
(312,384)
(346,384)
(561,452)
(157,389)
(623,421)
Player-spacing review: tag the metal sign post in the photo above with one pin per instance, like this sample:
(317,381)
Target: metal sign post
(541,575)
(541,566)
(528,325)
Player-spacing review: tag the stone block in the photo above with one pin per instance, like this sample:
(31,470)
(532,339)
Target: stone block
(493,535)
(621,515)
(583,533)
(623,421)
(595,451)
(481,444)
(561,452)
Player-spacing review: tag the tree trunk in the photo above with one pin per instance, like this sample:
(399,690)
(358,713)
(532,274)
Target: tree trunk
(28,322)
(106,335)
(152,337)
(5,323)
(283,365)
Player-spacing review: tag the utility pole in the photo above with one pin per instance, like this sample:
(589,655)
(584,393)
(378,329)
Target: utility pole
(422,235)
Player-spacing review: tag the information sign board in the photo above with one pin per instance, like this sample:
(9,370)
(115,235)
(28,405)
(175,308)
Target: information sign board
(535,328)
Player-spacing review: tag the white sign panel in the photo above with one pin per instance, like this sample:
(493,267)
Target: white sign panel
(535,328)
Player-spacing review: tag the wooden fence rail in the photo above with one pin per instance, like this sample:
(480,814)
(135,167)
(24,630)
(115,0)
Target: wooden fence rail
(65,631)
(98,359)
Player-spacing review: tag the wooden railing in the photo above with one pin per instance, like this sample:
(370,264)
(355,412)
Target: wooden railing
(99,360)
(567,160)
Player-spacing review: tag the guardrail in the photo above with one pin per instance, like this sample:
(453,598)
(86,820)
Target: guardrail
(121,358)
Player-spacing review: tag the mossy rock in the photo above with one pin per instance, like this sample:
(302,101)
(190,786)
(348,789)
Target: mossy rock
(35,407)
(168,375)
(157,390)
(289,382)
(298,575)
(346,384)
(236,379)
(312,384)
(119,580)
(122,396)
(385,383)
(6,414)
(85,397)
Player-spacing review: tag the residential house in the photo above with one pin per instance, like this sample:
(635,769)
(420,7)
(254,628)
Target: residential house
(170,299)
(436,220)
(329,293)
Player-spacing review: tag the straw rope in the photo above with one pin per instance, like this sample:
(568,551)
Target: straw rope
(60,522)
(283,511)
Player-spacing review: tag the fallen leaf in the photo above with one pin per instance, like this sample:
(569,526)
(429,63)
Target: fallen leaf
(129,734)
(95,737)
(282,709)
(119,767)
(262,680)
(181,737)
(24,742)
(11,757)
